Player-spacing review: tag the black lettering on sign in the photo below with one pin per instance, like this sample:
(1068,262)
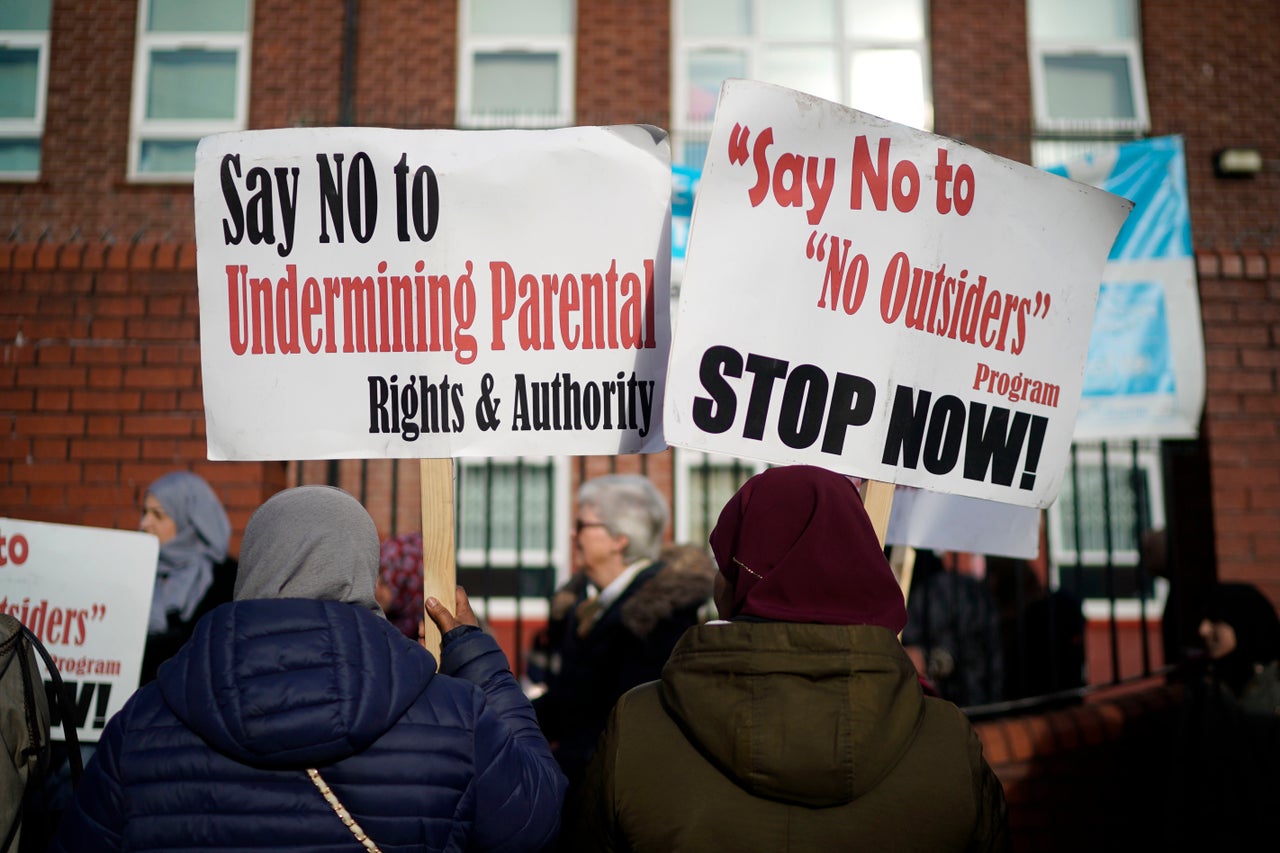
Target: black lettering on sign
(938,433)
(812,404)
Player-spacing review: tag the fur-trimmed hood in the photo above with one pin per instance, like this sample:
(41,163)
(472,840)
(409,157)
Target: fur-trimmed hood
(685,578)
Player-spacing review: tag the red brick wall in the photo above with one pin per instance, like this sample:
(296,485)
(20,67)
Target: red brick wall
(408,61)
(1205,74)
(1134,656)
(296,72)
(1092,776)
(82,195)
(981,87)
(1240,298)
(100,389)
(623,71)
(1199,73)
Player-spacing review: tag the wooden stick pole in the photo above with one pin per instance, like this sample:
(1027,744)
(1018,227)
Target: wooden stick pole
(877,497)
(902,558)
(439,555)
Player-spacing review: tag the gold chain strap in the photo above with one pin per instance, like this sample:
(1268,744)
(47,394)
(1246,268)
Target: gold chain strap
(341,811)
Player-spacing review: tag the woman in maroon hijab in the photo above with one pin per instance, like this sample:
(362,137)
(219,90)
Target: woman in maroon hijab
(795,545)
(796,722)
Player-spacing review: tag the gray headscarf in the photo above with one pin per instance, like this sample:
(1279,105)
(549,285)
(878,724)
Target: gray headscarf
(313,542)
(185,567)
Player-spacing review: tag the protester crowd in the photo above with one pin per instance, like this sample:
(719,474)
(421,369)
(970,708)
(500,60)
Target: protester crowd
(777,691)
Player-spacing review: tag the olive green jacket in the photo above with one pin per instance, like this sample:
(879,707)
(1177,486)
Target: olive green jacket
(779,736)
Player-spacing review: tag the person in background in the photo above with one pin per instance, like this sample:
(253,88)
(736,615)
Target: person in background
(193,573)
(1153,558)
(1241,635)
(1186,590)
(1226,783)
(1042,631)
(298,718)
(953,633)
(399,588)
(799,722)
(625,619)
(25,819)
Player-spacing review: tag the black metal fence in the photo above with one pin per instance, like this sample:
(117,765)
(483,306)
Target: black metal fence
(514,548)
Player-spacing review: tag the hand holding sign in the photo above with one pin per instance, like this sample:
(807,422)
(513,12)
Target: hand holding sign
(446,294)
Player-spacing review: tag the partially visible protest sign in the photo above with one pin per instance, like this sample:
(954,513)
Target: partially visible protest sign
(939,522)
(1145,375)
(85,592)
(372,293)
(883,302)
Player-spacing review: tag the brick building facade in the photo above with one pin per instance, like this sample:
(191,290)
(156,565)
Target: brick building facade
(99,323)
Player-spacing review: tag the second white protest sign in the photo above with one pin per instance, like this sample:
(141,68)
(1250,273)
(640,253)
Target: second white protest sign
(883,302)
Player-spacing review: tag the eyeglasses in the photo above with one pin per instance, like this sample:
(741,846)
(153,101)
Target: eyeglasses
(579,525)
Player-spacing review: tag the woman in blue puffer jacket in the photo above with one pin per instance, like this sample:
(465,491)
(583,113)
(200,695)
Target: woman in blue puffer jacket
(303,673)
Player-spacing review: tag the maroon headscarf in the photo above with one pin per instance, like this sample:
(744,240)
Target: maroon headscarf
(797,546)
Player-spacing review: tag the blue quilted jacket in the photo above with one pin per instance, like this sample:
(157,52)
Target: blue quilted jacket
(213,754)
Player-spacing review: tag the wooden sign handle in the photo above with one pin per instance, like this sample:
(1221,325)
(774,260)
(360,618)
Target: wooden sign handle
(439,555)
(877,497)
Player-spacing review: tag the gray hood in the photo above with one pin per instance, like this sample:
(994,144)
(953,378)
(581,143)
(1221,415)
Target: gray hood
(314,542)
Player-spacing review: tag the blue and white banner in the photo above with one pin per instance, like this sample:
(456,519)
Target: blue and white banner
(1144,374)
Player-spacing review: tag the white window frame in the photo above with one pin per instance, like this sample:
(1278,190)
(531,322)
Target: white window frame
(754,47)
(15,128)
(686,464)
(1050,153)
(563,46)
(556,555)
(1129,49)
(1063,559)
(143,129)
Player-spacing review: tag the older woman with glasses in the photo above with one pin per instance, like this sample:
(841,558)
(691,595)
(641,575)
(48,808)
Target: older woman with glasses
(620,616)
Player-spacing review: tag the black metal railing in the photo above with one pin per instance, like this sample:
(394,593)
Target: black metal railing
(1093,568)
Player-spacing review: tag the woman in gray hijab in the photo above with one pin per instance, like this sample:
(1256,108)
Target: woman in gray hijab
(182,511)
(298,718)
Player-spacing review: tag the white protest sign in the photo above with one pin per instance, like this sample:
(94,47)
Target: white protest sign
(371,293)
(85,592)
(883,302)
